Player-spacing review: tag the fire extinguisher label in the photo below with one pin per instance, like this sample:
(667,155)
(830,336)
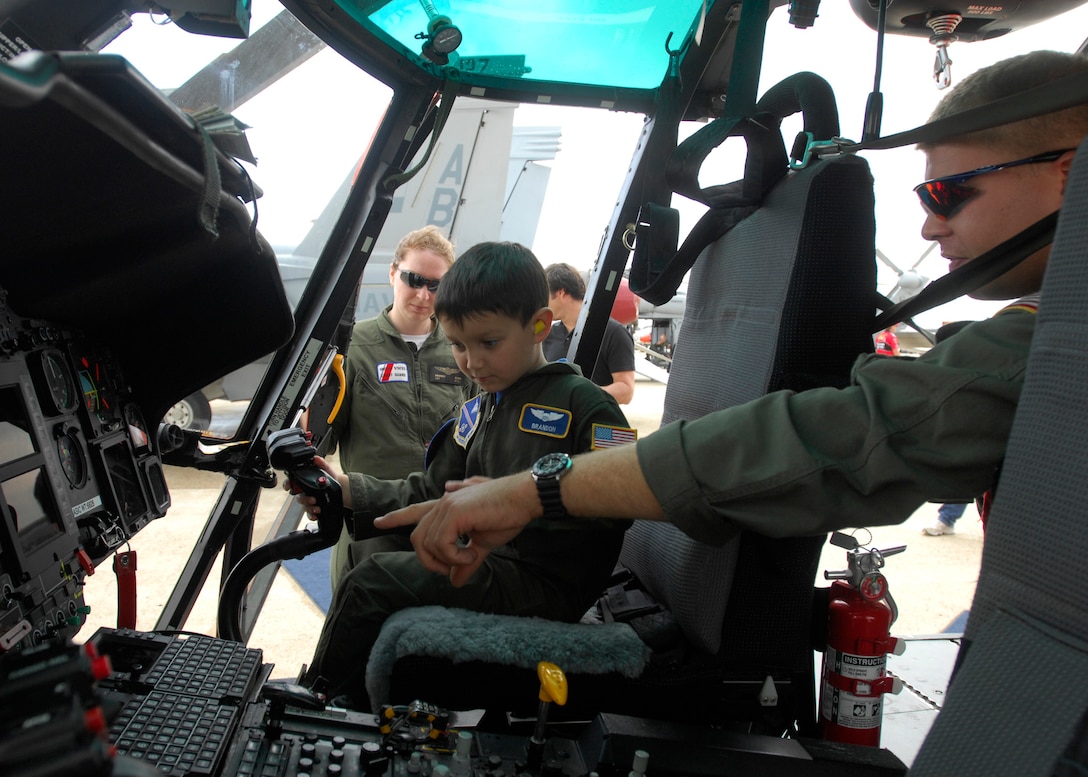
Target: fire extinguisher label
(847,709)
(860,667)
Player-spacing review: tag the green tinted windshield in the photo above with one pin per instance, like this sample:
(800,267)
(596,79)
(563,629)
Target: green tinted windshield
(618,43)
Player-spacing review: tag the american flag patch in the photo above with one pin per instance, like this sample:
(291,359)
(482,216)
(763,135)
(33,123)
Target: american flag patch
(611,436)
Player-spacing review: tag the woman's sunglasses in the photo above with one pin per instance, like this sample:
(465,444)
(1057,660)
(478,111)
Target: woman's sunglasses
(417,281)
(944,196)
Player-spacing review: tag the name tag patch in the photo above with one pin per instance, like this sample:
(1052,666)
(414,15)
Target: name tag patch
(548,421)
(467,421)
(392,372)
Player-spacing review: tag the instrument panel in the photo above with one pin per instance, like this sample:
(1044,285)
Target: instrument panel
(79,474)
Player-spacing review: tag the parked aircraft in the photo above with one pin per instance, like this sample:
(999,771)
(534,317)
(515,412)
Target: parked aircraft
(161,277)
(454,191)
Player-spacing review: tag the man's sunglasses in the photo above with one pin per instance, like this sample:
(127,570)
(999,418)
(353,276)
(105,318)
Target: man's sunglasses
(417,281)
(944,196)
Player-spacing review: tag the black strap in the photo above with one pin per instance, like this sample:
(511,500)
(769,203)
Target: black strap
(445,105)
(208,209)
(658,266)
(805,93)
(658,285)
(764,165)
(976,273)
(1066,92)
(885,304)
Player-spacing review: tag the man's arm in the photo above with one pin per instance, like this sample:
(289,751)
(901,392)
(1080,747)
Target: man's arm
(604,484)
(618,354)
(622,387)
(786,464)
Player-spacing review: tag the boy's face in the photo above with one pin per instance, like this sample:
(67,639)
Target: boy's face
(495,350)
(1004,202)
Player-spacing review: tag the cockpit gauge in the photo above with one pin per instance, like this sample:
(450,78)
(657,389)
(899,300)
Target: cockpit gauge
(54,382)
(95,382)
(89,378)
(137,428)
(72,460)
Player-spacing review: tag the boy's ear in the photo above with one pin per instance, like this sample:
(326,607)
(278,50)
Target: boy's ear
(542,324)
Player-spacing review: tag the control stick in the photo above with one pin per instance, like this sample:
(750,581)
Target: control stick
(291,451)
(553,688)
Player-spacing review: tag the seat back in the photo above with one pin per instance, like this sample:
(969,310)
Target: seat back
(782,301)
(1018,698)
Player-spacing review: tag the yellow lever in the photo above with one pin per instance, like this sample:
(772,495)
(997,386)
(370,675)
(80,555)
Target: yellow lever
(338,370)
(553,683)
(553,688)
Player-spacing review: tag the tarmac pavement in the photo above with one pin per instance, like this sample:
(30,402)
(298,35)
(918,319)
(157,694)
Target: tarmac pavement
(932,582)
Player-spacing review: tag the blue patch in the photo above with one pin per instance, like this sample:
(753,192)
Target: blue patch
(548,421)
(435,443)
(467,421)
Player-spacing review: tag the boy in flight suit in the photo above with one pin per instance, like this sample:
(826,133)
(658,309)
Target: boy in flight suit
(492,305)
(402,381)
(903,433)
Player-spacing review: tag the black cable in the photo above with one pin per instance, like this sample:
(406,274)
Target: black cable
(874,106)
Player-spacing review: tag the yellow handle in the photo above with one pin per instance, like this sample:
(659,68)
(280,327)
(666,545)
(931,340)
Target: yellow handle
(338,370)
(553,683)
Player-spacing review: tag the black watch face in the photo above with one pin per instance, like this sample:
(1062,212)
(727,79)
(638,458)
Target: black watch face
(551,464)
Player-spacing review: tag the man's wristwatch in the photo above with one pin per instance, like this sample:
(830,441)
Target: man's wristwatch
(546,472)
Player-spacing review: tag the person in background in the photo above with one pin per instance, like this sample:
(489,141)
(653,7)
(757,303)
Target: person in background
(947,515)
(887,344)
(615,367)
(493,308)
(402,380)
(905,431)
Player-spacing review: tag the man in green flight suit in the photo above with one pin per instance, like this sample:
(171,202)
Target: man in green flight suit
(903,433)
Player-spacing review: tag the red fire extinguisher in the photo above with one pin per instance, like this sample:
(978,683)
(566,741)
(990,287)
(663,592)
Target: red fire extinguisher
(860,615)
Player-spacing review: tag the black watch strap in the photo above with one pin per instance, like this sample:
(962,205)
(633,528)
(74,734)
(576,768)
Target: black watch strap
(547,471)
(552,501)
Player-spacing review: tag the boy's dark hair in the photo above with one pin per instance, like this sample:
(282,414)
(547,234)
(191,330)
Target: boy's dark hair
(493,277)
(563,277)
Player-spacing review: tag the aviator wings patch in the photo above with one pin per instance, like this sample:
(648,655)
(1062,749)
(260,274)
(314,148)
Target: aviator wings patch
(548,421)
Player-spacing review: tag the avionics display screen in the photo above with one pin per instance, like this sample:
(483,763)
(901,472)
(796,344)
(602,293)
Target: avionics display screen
(16,439)
(30,504)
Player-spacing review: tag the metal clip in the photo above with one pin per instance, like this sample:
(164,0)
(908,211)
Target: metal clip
(815,148)
(942,67)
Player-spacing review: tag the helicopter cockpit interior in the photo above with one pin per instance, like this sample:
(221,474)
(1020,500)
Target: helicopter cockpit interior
(144,263)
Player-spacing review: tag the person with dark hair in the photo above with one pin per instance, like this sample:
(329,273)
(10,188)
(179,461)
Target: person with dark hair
(905,431)
(402,380)
(492,305)
(614,370)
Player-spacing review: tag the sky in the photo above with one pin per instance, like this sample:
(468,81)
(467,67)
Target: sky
(333,98)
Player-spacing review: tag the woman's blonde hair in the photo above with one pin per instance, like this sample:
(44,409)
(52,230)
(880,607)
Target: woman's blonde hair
(428,238)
